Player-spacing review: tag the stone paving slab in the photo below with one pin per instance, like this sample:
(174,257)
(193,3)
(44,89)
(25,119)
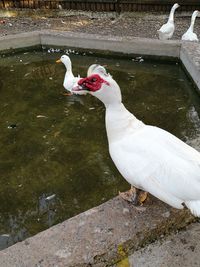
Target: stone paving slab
(98,237)
(178,250)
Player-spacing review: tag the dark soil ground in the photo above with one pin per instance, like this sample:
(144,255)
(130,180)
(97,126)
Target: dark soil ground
(132,24)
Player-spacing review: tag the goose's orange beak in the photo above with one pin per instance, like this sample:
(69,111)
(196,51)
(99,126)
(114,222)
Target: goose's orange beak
(58,61)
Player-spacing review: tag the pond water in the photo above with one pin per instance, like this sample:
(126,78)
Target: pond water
(54,160)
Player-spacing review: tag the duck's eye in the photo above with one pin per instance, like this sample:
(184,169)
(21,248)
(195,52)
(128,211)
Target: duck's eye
(93,80)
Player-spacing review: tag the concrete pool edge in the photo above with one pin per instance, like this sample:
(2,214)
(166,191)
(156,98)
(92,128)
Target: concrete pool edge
(187,52)
(9,43)
(105,234)
(190,58)
(126,45)
(98,237)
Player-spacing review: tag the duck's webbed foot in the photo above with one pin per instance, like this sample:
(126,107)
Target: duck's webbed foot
(135,196)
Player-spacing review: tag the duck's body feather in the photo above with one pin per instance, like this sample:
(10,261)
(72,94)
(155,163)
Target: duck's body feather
(70,81)
(148,157)
(155,161)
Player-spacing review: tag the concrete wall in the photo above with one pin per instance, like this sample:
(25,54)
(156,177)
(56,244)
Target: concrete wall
(127,45)
(18,41)
(190,57)
(188,53)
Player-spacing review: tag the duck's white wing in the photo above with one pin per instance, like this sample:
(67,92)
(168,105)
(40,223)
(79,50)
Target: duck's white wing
(70,81)
(158,162)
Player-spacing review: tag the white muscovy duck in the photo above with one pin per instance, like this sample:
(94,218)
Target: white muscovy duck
(149,158)
(167,30)
(69,80)
(189,35)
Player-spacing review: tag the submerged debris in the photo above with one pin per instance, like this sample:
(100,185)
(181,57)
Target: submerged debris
(27,74)
(53,50)
(138,59)
(41,116)
(12,126)
(49,198)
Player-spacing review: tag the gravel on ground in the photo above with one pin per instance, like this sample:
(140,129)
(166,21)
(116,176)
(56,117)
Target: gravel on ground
(127,24)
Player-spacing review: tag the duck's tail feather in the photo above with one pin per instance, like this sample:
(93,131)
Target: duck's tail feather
(194,206)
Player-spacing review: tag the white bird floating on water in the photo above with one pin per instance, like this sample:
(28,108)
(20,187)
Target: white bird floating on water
(69,80)
(149,158)
(189,35)
(167,30)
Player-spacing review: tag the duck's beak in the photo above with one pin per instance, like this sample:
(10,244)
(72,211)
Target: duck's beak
(58,61)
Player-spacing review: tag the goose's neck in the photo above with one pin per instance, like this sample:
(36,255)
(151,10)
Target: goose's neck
(192,22)
(171,15)
(119,122)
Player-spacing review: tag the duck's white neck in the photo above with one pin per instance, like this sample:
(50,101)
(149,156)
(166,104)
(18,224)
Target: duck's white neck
(120,121)
(171,15)
(68,67)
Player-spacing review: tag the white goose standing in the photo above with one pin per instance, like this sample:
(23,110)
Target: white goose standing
(148,157)
(69,80)
(189,35)
(167,30)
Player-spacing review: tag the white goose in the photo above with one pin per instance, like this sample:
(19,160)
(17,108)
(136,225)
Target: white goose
(167,30)
(69,79)
(148,157)
(189,35)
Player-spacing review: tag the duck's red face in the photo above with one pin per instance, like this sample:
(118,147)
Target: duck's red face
(92,83)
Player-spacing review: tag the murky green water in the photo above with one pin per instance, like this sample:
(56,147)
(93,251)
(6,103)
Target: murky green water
(54,160)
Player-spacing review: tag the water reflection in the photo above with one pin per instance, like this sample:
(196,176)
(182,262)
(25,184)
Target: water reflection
(55,162)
